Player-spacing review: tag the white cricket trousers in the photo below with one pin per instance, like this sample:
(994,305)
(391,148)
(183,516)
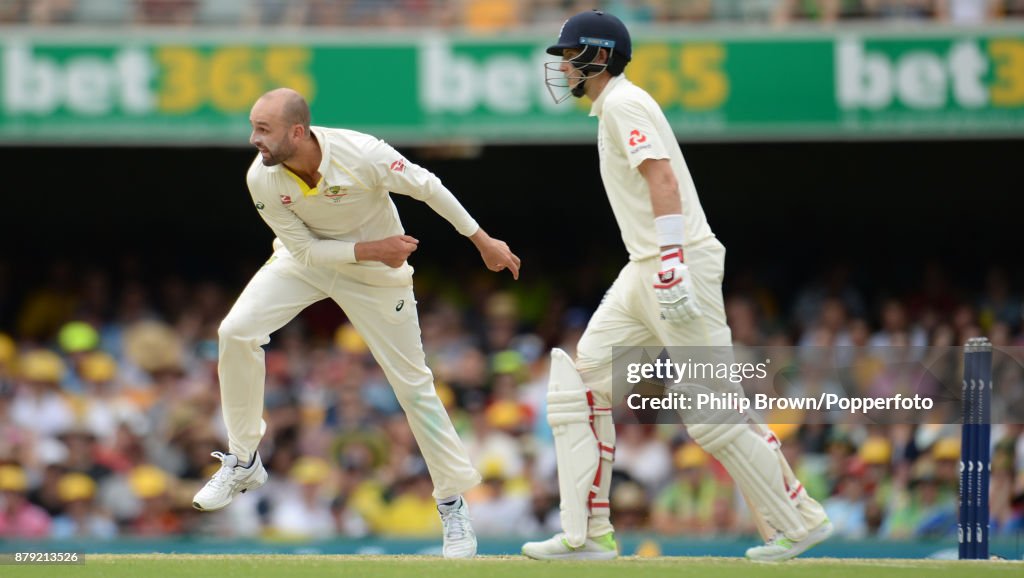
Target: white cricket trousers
(629,315)
(387,320)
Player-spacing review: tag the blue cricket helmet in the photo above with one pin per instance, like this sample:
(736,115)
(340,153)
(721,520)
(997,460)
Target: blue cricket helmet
(594,28)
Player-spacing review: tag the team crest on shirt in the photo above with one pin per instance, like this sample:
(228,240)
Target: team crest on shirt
(637,140)
(398,166)
(286,200)
(335,193)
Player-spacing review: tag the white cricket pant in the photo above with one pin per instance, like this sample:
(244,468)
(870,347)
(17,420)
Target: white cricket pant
(388,322)
(630,315)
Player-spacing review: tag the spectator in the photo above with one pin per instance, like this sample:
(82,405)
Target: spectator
(47,307)
(51,11)
(12,11)
(900,9)
(166,12)
(157,515)
(501,506)
(688,504)
(997,304)
(923,509)
(76,339)
(1007,498)
(489,16)
(848,507)
(81,519)
(630,506)
(288,13)
(494,437)
(412,512)
(876,455)
(642,455)
(967,12)
(896,328)
(304,509)
(18,517)
(39,406)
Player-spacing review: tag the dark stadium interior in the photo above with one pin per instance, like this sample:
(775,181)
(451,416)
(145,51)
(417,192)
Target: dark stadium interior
(786,212)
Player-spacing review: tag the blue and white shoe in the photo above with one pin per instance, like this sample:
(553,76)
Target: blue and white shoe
(229,481)
(459,537)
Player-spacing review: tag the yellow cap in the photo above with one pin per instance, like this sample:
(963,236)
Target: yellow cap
(148,481)
(78,336)
(41,365)
(503,414)
(347,339)
(502,304)
(153,346)
(786,424)
(97,367)
(510,361)
(922,471)
(13,479)
(310,470)
(493,469)
(629,496)
(690,456)
(946,449)
(876,451)
(8,349)
(75,486)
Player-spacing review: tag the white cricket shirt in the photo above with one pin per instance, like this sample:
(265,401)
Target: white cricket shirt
(320,226)
(632,128)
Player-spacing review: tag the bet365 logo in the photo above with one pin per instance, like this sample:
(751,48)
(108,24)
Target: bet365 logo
(967,74)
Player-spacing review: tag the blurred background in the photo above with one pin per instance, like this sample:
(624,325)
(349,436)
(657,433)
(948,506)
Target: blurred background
(859,159)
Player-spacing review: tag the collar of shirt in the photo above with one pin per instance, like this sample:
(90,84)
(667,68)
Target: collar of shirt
(325,148)
(598,106)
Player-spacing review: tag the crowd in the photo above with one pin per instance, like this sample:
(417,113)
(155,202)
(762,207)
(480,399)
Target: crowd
(109,410)
(491,15)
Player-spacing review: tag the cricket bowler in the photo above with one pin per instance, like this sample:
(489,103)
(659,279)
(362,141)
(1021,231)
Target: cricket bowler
(325,194)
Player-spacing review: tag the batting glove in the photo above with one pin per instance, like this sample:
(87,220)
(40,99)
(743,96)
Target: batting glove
(675,294)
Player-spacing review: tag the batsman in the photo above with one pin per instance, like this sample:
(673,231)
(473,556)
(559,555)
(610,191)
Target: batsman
(669,293)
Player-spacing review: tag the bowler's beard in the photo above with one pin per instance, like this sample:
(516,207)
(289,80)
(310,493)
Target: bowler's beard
(278,156)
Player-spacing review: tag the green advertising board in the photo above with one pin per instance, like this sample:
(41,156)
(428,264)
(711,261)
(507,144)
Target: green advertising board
(196,88)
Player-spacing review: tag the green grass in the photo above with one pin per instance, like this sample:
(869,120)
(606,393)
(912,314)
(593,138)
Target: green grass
(294,566)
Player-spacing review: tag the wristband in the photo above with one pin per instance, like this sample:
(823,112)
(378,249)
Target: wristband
(669,229)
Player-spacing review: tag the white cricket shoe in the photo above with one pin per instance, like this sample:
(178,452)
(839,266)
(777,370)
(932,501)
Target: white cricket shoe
(229,481)
(558,548)
(459,537)
(782,548)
